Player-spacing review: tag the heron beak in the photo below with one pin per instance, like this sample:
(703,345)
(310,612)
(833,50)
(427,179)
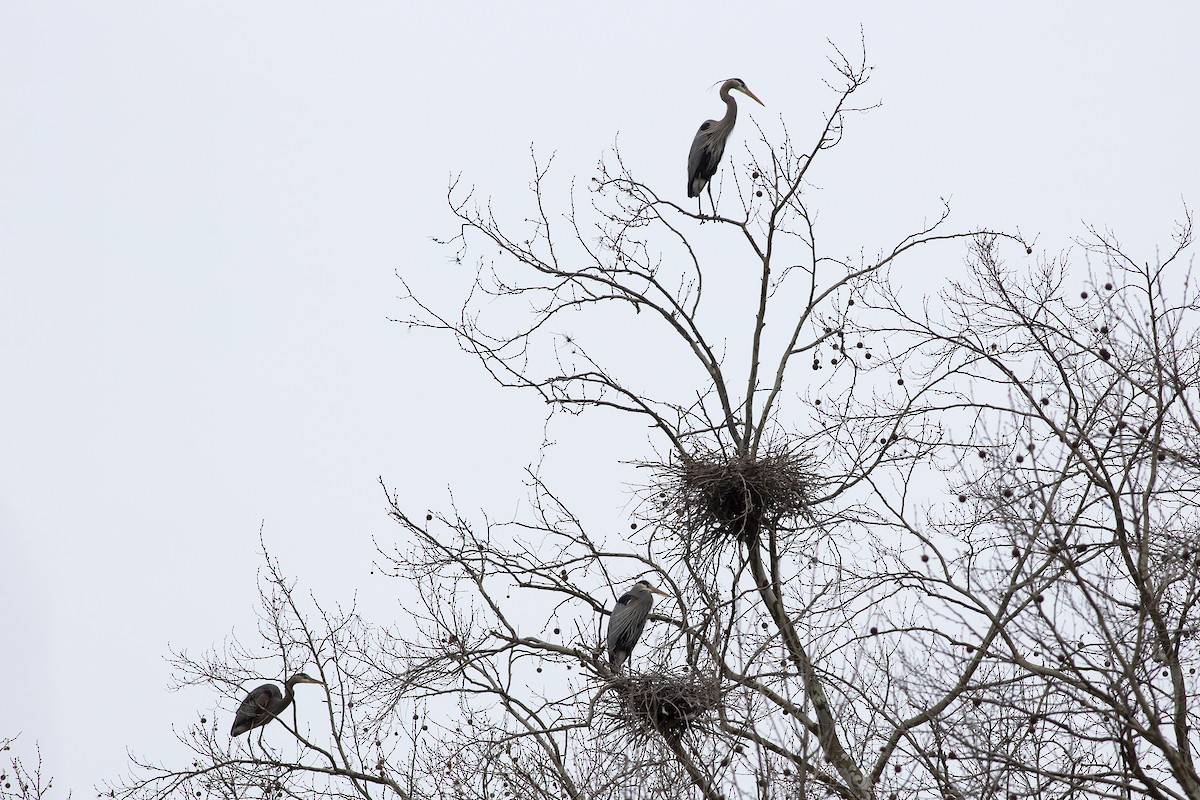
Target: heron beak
(660,591)
(750,94)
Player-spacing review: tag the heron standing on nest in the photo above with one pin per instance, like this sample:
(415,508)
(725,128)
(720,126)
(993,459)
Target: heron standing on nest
(627,620)
(709,144)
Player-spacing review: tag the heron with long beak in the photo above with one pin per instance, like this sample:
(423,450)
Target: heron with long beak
(627,621)
(709,144)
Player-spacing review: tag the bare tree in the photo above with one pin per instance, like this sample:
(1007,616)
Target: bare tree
(19,781)
(771,534)
(915,546)
(1076,552)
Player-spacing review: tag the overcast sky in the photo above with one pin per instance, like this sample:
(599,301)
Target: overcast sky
(203,207)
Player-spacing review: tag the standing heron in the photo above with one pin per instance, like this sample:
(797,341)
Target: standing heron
(709,144)
(266,703)
(627,620)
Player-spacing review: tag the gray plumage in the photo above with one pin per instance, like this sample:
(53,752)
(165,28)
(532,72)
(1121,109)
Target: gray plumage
(265,703)
(709,144)
(627,620)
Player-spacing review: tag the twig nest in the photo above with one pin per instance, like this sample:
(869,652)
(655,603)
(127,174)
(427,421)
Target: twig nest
(663,703)
(715,499)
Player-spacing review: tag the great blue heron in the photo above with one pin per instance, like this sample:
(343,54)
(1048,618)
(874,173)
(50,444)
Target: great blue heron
(709,144)
(627,620)
(266,703)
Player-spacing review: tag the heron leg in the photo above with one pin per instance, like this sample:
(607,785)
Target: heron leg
(710,200)
(249,740)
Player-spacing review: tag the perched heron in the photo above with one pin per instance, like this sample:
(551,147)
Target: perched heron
(709,144)
(266,703)
(627,620)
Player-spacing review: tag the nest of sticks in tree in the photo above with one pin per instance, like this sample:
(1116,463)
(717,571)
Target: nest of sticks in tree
(713,499)
(662,703)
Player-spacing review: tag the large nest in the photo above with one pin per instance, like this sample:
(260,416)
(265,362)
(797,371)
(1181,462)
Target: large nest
(712,499)
(662,703)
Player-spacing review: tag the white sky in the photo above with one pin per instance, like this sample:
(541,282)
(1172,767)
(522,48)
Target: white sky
(202,207)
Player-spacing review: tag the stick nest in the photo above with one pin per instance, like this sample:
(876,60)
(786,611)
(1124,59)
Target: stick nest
(713,499)
(664,703)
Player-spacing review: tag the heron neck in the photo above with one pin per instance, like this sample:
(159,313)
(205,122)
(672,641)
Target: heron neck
(730,107)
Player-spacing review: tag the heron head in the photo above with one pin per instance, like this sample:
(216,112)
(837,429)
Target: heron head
(300,677)
(649,587)
(740,85)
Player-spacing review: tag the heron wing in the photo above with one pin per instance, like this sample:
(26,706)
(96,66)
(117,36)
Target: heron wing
(705,155)
(255,709)
(626,623)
